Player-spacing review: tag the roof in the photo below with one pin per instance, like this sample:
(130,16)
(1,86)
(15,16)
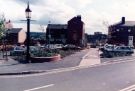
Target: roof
(127,23)
(57,26)
(14,30)
(76,19)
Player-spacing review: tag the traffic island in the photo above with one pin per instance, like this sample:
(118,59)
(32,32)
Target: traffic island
(22,73)
(40,55)
(45,59)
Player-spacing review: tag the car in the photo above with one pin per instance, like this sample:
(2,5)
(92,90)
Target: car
(49,46)
(18,50)
(93,46)
(114,51)
(127,50)
(58,46)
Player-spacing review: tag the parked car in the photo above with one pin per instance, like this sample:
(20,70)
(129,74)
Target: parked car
(49,46)
(18,50)
(93,46)
(53,46)
(70,46)
(58,46)
(114,51)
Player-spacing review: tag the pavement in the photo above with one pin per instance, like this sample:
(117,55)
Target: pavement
(91,58)
(85,57)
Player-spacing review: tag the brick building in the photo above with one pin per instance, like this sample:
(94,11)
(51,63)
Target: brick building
(57,33)
(120,32)
(71,33)
(15,36)
(76,32)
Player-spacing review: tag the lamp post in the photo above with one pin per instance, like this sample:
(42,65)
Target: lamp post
(28,16)
(49,35)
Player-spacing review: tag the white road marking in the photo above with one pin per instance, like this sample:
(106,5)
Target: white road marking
(85,55)
(118,60)
(130,88)
(37,88)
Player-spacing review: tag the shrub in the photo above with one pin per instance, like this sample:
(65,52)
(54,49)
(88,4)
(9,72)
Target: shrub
(43,53)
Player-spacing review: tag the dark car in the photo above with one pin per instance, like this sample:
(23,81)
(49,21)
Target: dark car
(114,51)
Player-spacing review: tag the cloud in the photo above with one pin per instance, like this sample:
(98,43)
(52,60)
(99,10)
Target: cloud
(93,12)
(124,8)
(12,10)
(78,4)
(34,2)
(53,11)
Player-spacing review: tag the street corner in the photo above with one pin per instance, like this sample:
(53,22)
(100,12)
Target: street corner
(22,73)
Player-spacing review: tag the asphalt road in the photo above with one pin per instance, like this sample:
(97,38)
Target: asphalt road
(112,77)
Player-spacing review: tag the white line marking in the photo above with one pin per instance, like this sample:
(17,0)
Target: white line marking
(118,60)
(130,88)
(37,88)
(86,55)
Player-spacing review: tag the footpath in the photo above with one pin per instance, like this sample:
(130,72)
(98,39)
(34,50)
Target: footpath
(91,58)
(85,57)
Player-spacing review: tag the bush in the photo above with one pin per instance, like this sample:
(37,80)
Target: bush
(43,53)
(12,53)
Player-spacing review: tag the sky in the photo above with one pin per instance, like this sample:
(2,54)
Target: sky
(96,14)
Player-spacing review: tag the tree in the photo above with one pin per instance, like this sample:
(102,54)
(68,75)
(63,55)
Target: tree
(2,25)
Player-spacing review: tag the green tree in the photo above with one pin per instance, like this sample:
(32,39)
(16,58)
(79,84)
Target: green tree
(2,26)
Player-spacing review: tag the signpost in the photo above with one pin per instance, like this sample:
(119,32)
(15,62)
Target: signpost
(130,41)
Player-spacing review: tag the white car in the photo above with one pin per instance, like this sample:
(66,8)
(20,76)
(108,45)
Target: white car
(18,50)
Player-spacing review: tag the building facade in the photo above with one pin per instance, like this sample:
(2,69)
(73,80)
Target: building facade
(56,33)
(37,37)
(97,38)
(76,31)
(15,36)
(121,32)
(71,33)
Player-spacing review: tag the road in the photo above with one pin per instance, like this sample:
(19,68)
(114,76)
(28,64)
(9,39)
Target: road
(107,77)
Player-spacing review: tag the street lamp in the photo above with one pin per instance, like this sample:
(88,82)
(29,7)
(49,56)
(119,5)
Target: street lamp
(49,35)
(28,16)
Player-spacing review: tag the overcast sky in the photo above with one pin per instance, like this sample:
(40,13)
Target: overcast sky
(96,14)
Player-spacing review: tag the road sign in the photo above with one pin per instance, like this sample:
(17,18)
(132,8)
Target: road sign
(130,40)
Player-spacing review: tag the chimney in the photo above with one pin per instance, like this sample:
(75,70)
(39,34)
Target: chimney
(79,17)
(123,20)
